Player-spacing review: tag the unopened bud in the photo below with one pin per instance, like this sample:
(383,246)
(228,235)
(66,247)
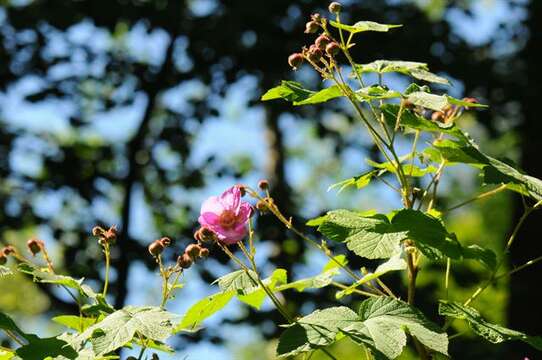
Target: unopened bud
(335,7)
(156,248)
(203,253)
(193,251)
(437,116)
(3,259)
(205,235)
(242,188)
(8,250)
(184,261)
(470,100)
(295,60)
(98,231)
(311,27)
(316,17)
(263,184)
(165,241)
(262,206)
(322,41)
(34,246)
(332,49)
(314,53)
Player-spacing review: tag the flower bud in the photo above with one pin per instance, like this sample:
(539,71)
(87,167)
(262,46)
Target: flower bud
(165,241)
(111,234)
(437,116)
(311,27)
(295,60)
(333,49)
(322,41)
(3,259)
(263,184)
(316,17)
(314,54)
(193,251)
(242,188)
(156,248)
(34,246)
(184,261)
(262,206)
(205,235)
(335,7)
(98,231)
(470,100)
(203,253)
(8,250)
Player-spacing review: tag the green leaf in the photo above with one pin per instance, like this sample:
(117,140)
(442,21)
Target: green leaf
(417,70)
(359,182)
(238,281)
(316,330)
(287,90)
(380,325)
(458,152)
(50,278)
(438,102)
(5,271)
(6,323)
(372,237)
(39,349)
(485,256)
(74,322)
(376,92)
(330,270)
(491,332)
(428,233)
(413,121)
(395,263)
(6,355)
(384,320)
(256,296)
(409,169)
(203,309)
(324,95)
(361,26)
(117,329)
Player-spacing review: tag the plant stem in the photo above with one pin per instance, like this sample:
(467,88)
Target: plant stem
(107,265)
(478,197)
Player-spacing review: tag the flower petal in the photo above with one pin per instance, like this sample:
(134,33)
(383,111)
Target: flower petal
(245,210)
(231,236)
(209,219)
(212,205)
(231,198)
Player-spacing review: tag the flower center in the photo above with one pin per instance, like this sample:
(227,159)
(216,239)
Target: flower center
(227,219)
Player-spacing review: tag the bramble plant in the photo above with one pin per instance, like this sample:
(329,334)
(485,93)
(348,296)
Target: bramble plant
(386,320)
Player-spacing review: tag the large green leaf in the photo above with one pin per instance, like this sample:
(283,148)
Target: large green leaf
(428,233)
(119,328)
(42,276)
(372,237)
(287,90)
(376,92)
(417,70)
(316,330)
(491,332)
(384,321)
(203,309)
(238,281)
(77,323)
(361,26)
(438,102)
(323,95)
(395,263)
(380,324)
(255,296)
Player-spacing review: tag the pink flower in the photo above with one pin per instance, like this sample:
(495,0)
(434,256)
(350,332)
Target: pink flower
(226,215)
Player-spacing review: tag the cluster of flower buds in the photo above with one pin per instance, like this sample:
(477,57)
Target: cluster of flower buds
(35,246)
(192,253)
(5,252)
(108,236)
(324,45)
(158,246)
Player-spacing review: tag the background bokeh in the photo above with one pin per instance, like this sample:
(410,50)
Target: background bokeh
(131,112)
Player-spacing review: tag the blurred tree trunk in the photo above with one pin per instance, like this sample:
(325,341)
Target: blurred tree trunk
(525,312)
